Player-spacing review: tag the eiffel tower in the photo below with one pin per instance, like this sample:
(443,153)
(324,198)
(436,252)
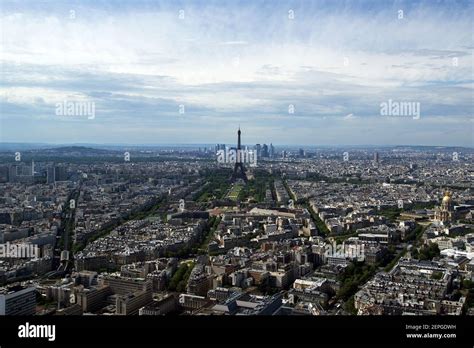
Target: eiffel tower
(239,169)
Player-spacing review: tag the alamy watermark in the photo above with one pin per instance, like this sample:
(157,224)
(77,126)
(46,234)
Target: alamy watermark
(76,108)
(350,251)
(37,331)
(345,156)
(230,155)
(400,108)
(20,251)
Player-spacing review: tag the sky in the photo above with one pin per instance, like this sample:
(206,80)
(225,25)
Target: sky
(288,72)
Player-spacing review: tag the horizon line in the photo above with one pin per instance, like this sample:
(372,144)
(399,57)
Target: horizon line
(218,143)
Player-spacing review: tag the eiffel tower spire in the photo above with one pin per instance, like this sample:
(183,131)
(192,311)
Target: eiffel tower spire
(239,169)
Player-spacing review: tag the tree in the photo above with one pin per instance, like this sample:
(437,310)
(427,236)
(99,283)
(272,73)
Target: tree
(428,252)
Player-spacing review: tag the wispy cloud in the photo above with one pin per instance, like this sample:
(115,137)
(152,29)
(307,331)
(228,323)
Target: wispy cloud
(238,62)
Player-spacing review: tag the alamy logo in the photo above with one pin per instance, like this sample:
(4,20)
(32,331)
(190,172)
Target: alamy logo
(75,108)
(405,108)
(344,250)
(240,156)
(21,251)
(37,331)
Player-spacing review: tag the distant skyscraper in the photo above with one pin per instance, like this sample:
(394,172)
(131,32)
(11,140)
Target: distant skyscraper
(258,147)
(13,173)
(3,174)
(219,147)
(271,151)
(25,170)
(264,150)
(376,157)
(50,175)
(60,173)
(302,153)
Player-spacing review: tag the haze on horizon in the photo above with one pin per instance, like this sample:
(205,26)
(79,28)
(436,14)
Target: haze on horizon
(191,72)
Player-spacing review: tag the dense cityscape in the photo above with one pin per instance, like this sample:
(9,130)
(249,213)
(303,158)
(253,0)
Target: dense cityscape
(144,230)
(243,172)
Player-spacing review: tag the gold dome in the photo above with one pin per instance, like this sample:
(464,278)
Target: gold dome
(447,197)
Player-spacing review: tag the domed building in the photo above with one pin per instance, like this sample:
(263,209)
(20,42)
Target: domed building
(445,213)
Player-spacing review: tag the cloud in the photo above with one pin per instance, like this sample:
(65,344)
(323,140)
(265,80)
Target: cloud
(238,62)
(349,117)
